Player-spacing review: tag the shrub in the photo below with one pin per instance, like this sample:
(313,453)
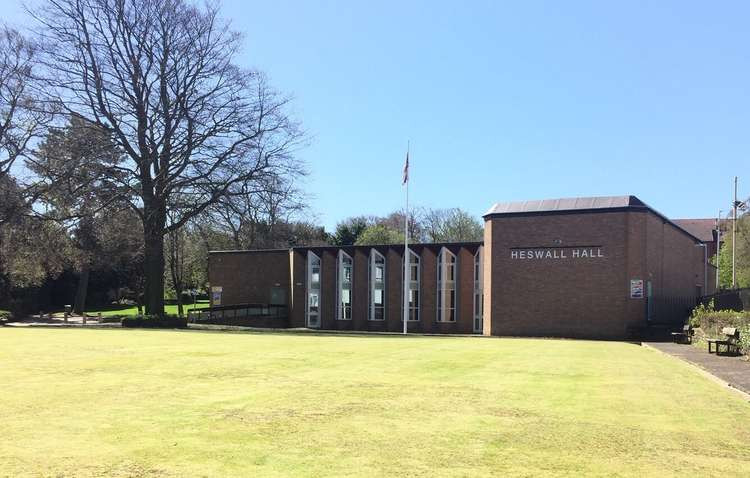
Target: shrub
(155,322)
(4,316)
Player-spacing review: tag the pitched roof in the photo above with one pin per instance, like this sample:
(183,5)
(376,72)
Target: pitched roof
(703,229)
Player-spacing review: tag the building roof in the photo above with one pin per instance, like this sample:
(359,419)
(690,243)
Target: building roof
(352,246)
(565,204)
(580,204)
(703,229)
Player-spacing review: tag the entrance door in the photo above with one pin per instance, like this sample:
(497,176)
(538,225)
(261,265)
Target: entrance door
(313,312)
(478,290)
(477,312)
(313,290)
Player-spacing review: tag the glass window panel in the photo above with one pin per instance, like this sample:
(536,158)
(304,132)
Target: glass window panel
(378,297)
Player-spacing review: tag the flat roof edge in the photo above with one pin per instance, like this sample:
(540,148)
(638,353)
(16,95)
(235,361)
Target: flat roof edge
(329,246)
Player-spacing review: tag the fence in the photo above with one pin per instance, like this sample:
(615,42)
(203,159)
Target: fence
(737,299)
(249,315)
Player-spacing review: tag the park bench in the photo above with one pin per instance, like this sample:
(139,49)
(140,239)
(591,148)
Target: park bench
(730,341)
(684,337)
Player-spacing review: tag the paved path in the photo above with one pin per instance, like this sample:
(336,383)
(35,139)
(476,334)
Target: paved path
(733,370)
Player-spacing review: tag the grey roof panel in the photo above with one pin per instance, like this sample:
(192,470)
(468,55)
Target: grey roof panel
(564,204)
(580,204)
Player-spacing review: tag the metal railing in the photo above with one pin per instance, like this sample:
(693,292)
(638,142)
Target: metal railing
(237,311)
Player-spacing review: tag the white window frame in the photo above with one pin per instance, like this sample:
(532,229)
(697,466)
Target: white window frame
(313,318)
(373,285)
(414,285)
(478,310)
(445,286)
(341,309)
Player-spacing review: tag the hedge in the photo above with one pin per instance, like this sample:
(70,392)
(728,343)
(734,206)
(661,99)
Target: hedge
(155,322)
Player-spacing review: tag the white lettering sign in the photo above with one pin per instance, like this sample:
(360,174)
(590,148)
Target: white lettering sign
(557,253)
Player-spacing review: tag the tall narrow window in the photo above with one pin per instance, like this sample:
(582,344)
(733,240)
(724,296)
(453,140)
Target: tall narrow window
(313,290)
(344,279)
(376,273)
(413,287)
(446,286)
(478,289)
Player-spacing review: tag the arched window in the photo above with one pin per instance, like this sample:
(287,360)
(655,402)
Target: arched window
(414,277)
(478,289)
(344,275)
(376,274)
(313,290)
(446,286)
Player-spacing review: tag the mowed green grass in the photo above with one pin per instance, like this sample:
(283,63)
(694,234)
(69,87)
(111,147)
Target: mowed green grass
(170,309)
(188,404)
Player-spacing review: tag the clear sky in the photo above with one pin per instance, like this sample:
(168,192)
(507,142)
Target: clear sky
(509,101)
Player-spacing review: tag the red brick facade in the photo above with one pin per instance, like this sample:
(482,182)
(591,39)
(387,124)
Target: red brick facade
(571,273)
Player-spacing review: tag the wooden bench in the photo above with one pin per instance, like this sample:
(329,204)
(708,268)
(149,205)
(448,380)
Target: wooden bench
(730,341)
(684,337)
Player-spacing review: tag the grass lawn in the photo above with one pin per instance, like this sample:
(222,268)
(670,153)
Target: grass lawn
(188,404)
(133,310)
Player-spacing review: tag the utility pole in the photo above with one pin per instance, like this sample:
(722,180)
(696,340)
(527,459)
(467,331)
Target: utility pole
(734,235)
(718,248)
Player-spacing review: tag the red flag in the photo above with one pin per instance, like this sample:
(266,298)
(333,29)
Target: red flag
(406,170)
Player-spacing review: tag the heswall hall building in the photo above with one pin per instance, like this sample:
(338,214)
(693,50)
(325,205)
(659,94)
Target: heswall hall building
(597,267)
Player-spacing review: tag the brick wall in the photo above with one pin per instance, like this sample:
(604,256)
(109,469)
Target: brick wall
(247,277)
(586,297)
(572,297)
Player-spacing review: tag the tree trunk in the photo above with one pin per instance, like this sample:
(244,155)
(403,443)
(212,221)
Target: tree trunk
(180,311)
(79,305)
(153,262)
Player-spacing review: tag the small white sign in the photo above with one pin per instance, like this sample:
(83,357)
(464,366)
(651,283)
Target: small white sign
(216,295)
(636,288)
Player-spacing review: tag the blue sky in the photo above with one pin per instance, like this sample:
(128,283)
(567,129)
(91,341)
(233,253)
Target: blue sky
(509,101)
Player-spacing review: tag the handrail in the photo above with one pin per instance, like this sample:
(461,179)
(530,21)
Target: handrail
(237,311)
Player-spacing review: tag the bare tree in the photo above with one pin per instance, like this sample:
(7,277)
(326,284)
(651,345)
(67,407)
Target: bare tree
(21,114)
(251,215)
(450,225)
(160,75)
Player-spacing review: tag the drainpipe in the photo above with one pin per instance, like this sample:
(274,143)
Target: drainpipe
(705,267)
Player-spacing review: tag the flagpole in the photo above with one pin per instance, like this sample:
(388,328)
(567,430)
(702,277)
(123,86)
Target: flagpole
(406,246)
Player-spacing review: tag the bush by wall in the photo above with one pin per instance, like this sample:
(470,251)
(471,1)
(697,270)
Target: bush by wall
(711,321)
(155,322)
